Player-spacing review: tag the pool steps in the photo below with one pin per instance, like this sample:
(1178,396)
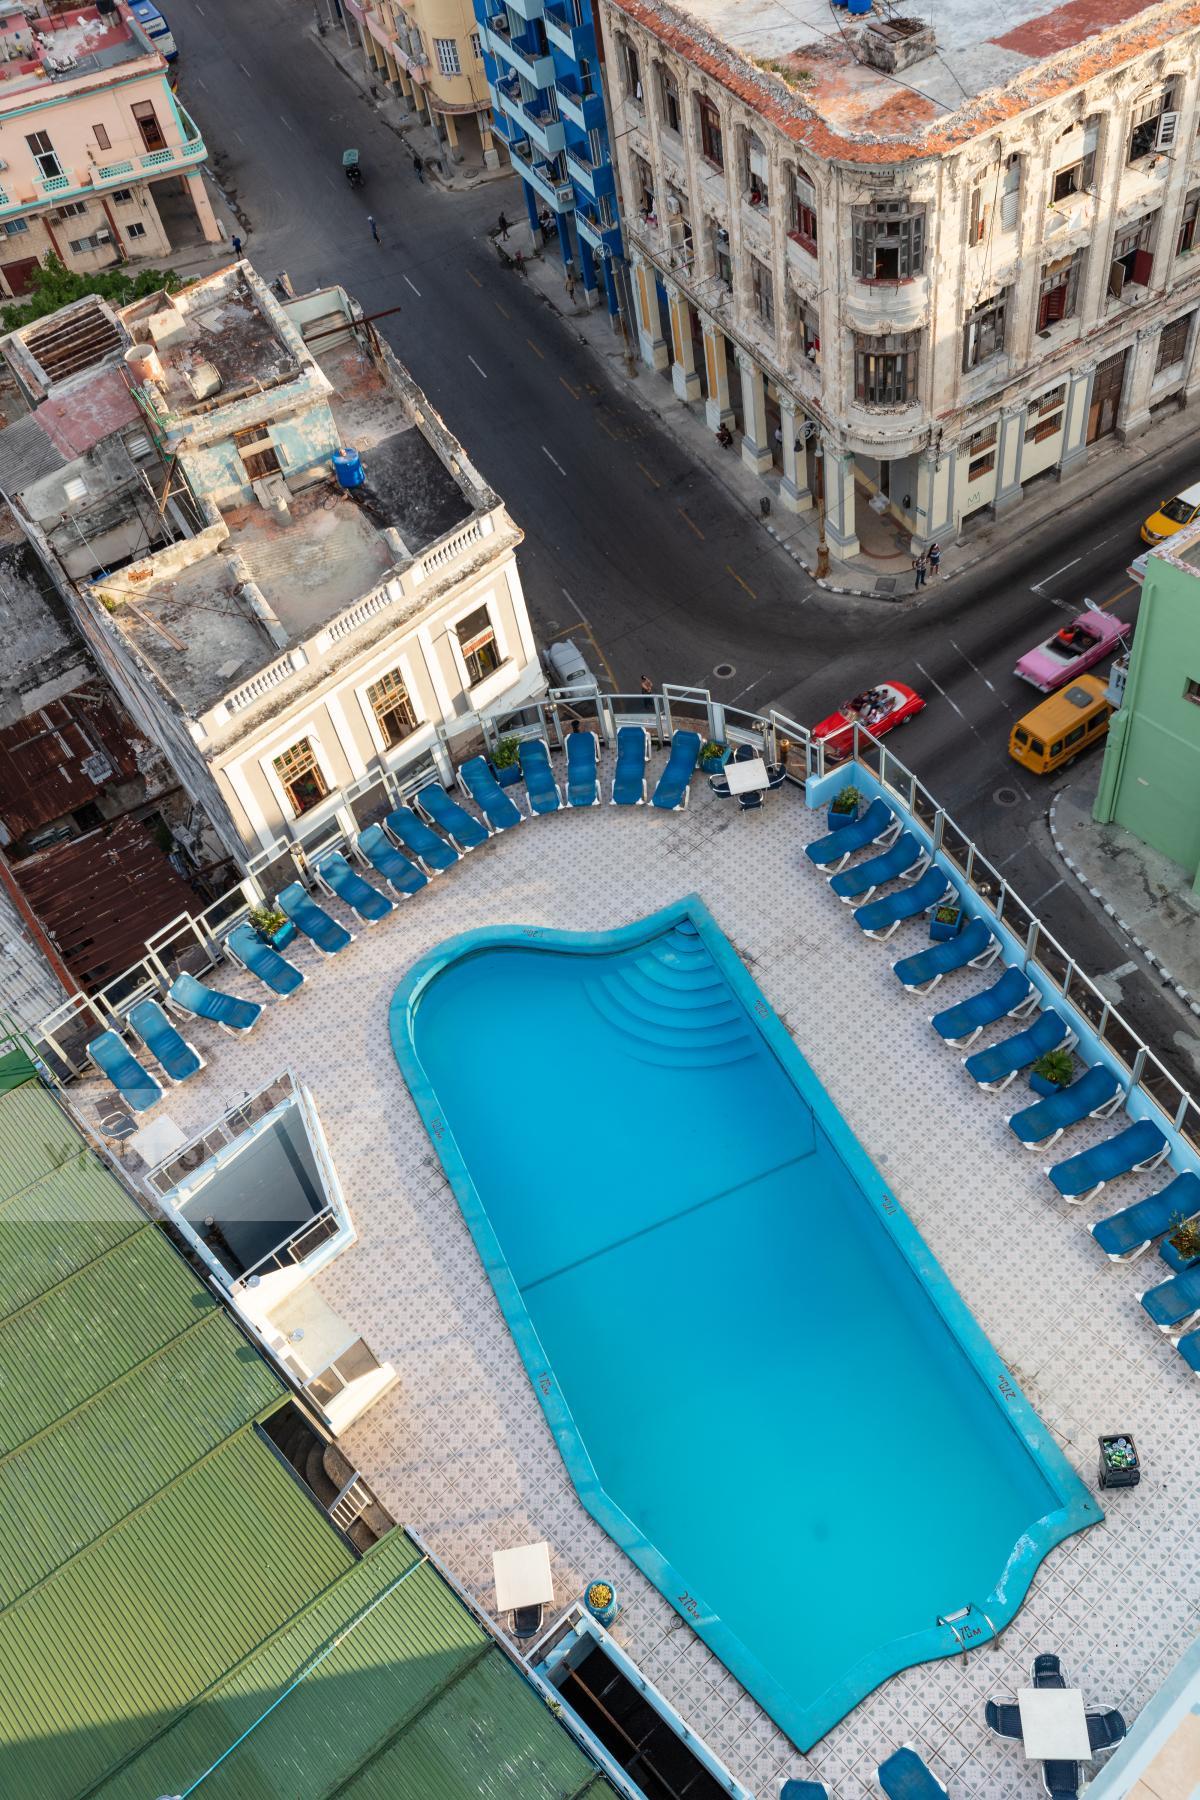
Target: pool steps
(673,1006)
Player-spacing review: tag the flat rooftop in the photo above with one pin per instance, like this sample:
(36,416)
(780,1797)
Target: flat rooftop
(984,63)
(312,561)
(216,322)
(63,46)
(198,633)
(460,1451)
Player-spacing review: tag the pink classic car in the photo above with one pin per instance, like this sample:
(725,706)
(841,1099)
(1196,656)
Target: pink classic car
(1072,649)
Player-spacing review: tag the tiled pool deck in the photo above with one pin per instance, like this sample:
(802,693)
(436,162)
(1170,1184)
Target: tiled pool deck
(459,1449)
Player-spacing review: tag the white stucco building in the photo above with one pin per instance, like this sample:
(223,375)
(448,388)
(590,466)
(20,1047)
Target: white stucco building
(948,256)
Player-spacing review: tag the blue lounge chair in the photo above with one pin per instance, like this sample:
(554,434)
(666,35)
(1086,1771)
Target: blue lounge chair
(1012,997)
(318,926)
(904,1776)
(114,1059)
(412,834)
(583,761)
(673,789)
(879,918)
(1004,1718)
(878,825)
(347,885)
(974,947)
(170,1049)
(1105,1729)
(540,784)
(1175,1304)
(996,1066)
(629,776)
(1079,1178)
(264,961)
(1095,1095)
(903,861)
(1189,1348)
(187,995)
(480,785)
(795,1789)
(403,877)
(443,810)
(1126,1235)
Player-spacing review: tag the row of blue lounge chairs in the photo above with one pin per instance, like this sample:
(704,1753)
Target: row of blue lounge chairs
(904,1775)
(1095,1094)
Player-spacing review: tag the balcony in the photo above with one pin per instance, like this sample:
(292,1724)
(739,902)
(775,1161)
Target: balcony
(547,132)
(583,109)
(558,195)
(520,54)
(594,178)
(47,189)
(604,239)
(528,9)
(577,40)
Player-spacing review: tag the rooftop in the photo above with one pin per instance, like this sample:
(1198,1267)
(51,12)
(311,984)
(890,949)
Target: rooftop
(44,654)
(193,626)
(134,1469)
(826,78)
(214,328)
(38,50)
(60,756)
(460,1450)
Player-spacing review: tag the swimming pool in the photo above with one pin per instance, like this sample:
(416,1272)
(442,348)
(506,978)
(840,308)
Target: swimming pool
(762,1384)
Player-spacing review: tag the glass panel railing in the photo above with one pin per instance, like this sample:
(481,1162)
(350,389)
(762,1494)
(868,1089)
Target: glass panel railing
(1189,1125)
(956,846)
(1162,1088)
(1083,995)
(1123,1043)
(1051,960)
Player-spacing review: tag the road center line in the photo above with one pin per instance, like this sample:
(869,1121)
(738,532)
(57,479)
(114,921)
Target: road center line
(500,309)
(746,690)
(941,690)
(972,665)
(416,290)
(554,460)
(475,365)
(474,278)
(573,391)
(289,124)
(592,639)
(689,522)
(1119,595)
(730,570)
(1047,579)
(1048,892)
(649,477)
(245,71)
(535,349)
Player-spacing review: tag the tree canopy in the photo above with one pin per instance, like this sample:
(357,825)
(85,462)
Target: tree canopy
(55,285)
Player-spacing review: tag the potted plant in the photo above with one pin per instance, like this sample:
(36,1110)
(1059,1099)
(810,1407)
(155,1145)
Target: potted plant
(713,756)
(843,808)
(600,1598)
(1181,1250)
(506,761)
(1119,1466)
(273,926)
(946,921)
(1052,1071)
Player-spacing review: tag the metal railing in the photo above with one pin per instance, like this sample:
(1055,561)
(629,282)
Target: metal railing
(204,1145)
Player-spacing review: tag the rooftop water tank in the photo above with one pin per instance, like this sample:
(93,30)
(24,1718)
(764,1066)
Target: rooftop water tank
(347,466)
(859,7)
(142,362)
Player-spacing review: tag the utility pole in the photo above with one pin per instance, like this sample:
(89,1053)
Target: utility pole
(822,570)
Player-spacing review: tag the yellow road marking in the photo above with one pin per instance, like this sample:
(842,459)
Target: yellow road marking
(649,477)
(604,425)
(474,278)
(608,670)
(1119,595)
(738,579)
(501,309)
(573,391)
(534,348)
(691,522)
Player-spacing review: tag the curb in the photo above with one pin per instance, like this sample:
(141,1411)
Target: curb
(1151,957)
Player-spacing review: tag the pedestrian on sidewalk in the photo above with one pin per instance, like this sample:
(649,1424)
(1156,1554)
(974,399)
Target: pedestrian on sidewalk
(934,553)
(374,229)
(236,243)
(419,169)
(502,227)
(647,685)
(545,221)
(920,569)
(569,282)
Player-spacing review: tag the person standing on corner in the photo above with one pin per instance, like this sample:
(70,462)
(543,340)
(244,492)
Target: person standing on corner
(235,243)
(419,169)
(502,227)
(934,553)
(374,229)
(920,569)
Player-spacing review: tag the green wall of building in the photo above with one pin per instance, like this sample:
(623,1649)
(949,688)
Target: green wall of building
(1150,782)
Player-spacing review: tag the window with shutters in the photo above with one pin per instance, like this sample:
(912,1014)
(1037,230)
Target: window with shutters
(631,70)
(977,217)
(477,643)
(1186,241)
(393,710)
(44,155)
(1172,343)
(708,122)
(885,368)
(754,171)
(984,331)
(1153,125)
(1132,258)
(301,777)
(1046,415)
(257,452)
(1010,193)
(981,451)
(804,212)
(889,241)
(668,92)
(763,291)
(722,261)
(1077,173)
(643,186)
(101,136)
(1058,291)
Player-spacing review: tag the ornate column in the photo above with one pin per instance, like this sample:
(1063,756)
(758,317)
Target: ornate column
(1079,404)
(1008,458)
(1134,412)
(684,378)
(650,337)
(756,451)
(839,499)
(935,508)
(794,492)
(717,410)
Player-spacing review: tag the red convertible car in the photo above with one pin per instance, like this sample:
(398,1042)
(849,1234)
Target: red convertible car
(879,709)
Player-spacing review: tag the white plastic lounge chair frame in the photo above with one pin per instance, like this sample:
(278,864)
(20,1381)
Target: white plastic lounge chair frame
(1022,1010)
(1067,1042)
(1110,1106)
(1141,1168)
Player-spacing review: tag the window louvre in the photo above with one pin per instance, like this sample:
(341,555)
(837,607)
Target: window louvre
(394,713)
(477,642)
(301,777)
(885,369)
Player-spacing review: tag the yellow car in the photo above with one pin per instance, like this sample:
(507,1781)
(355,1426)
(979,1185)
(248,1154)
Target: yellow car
(1172,516)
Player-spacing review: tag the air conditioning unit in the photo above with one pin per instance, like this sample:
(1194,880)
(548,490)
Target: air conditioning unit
(520,147)
(672,203)
(103,236)
(564,193)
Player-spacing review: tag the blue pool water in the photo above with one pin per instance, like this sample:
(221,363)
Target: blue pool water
(763,1386)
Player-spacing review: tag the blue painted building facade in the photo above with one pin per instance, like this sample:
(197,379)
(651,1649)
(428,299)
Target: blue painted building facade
(543,69)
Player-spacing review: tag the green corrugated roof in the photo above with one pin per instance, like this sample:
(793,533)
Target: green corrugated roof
(164,1577)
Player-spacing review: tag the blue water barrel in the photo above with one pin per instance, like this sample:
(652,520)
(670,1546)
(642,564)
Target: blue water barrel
(860,6)
(347,466)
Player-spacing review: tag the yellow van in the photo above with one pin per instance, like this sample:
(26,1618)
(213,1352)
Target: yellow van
(1061,726)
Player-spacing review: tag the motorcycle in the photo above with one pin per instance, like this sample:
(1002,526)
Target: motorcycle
(351,169)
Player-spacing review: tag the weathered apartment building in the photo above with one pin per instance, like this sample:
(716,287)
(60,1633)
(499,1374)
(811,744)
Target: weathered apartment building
(944,251)
(431,54)
(98,160)
(288,567)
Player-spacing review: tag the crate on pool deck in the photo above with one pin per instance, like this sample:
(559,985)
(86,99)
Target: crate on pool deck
(1119,1465)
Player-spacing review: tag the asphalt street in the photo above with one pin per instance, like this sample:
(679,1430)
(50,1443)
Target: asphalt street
(653,565)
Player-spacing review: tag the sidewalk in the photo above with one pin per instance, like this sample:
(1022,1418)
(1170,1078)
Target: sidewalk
(420,139)
(884,571)
(1150,898)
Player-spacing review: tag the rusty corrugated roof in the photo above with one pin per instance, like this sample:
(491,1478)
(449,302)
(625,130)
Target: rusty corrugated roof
(60,757)
(99,897)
